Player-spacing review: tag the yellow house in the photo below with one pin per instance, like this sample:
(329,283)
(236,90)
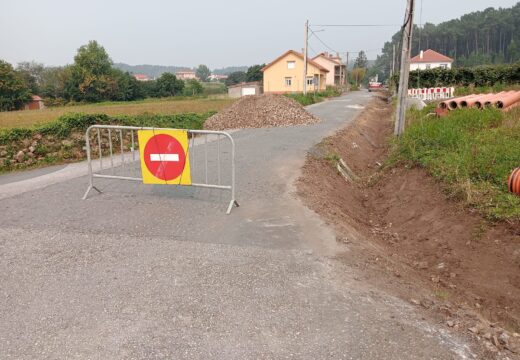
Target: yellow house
(285,74)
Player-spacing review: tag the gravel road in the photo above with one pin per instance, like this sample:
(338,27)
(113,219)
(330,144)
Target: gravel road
(157,272)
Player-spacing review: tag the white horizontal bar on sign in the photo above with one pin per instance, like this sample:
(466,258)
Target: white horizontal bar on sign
(164,157)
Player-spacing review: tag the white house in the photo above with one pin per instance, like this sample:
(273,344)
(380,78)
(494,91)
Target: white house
(430,59)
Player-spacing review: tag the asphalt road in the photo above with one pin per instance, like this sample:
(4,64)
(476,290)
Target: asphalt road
(158,272)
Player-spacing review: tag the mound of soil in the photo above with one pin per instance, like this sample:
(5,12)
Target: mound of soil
(411,240)
(260,111)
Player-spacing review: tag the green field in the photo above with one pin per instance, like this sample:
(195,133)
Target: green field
(27,118)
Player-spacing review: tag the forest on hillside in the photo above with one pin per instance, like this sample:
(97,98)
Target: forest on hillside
(491,36)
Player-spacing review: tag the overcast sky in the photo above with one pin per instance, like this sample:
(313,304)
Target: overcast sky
(214,32)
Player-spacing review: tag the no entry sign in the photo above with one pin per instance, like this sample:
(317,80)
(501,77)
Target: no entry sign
(164,157)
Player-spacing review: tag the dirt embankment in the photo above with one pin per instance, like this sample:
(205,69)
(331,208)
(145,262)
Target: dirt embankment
(411,240)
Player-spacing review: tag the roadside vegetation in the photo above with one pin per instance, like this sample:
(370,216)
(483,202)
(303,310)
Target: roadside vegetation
(472,151)
(62,140)
(315,97)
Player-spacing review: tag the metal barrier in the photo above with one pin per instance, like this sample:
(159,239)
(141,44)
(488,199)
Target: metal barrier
(128,156)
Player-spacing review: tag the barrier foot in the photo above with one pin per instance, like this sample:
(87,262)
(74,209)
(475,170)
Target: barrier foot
(90,187)
(233,202)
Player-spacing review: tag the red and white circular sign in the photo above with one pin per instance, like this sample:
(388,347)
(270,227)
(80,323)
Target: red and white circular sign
(164,157)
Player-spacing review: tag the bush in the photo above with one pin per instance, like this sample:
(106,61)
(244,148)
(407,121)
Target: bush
(314,97)
(305,100)
(489,75)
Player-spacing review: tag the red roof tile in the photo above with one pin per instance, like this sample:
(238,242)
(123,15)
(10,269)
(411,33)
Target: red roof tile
(430,56)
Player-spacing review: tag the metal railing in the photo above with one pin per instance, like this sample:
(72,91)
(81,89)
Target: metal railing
(103,138)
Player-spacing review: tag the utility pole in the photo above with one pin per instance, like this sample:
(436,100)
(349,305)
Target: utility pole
(400,117)
(393,60)
(346,75)
(305,58)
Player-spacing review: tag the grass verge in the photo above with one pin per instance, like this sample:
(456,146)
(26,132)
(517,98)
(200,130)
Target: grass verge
(315,97)
(473,152)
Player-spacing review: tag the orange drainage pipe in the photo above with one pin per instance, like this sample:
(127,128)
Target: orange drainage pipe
(497,97)
(488,100)
(513,183)
(454,103)
(508,100)
(485,100)
(443,105)
(511,107)
(470,102)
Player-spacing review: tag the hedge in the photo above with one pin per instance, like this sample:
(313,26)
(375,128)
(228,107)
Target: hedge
(488,75)
(62,140)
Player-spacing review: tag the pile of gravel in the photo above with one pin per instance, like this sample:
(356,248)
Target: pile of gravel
(260,111)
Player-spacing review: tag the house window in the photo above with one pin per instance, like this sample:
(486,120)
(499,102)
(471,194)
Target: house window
(291,64)
(444,66)
(310,81)
(288,81)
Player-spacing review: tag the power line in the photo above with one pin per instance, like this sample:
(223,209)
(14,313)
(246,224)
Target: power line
(322,42)
(357,25)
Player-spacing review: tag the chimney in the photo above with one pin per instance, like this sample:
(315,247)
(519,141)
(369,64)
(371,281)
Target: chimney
(421,55)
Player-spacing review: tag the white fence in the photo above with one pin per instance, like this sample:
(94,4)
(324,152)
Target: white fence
(432,93)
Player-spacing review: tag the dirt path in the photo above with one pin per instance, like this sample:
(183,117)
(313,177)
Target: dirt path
(411,240)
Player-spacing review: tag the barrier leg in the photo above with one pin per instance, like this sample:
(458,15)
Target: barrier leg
(90,187)
(89,160)
(231,204)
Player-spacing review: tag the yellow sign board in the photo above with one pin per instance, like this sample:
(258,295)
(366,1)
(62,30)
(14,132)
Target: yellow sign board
(164,157)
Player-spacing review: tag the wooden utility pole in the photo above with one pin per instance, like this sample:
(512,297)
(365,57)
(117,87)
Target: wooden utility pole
(393,60)
(305,58)
(346,75)
(404,75)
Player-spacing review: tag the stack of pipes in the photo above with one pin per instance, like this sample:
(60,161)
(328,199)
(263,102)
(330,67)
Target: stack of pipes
(505,100)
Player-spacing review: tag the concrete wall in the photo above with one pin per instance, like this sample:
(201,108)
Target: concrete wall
(236,91)
(424,66)
(274,76)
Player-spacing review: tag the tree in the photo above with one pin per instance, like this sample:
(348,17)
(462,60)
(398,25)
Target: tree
(32,73)
(14,92)
(93,59)
(236,78)
(254,73)
(514,51)
(361,60)
(203,73)
(128,88)
(357,75)
(193,87)
(91,78)
(169,85)
(53,82)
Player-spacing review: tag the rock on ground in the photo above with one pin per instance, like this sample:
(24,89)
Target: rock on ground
(261,111)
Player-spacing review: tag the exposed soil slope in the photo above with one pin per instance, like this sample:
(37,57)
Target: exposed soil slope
(260,111)
(400,227)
